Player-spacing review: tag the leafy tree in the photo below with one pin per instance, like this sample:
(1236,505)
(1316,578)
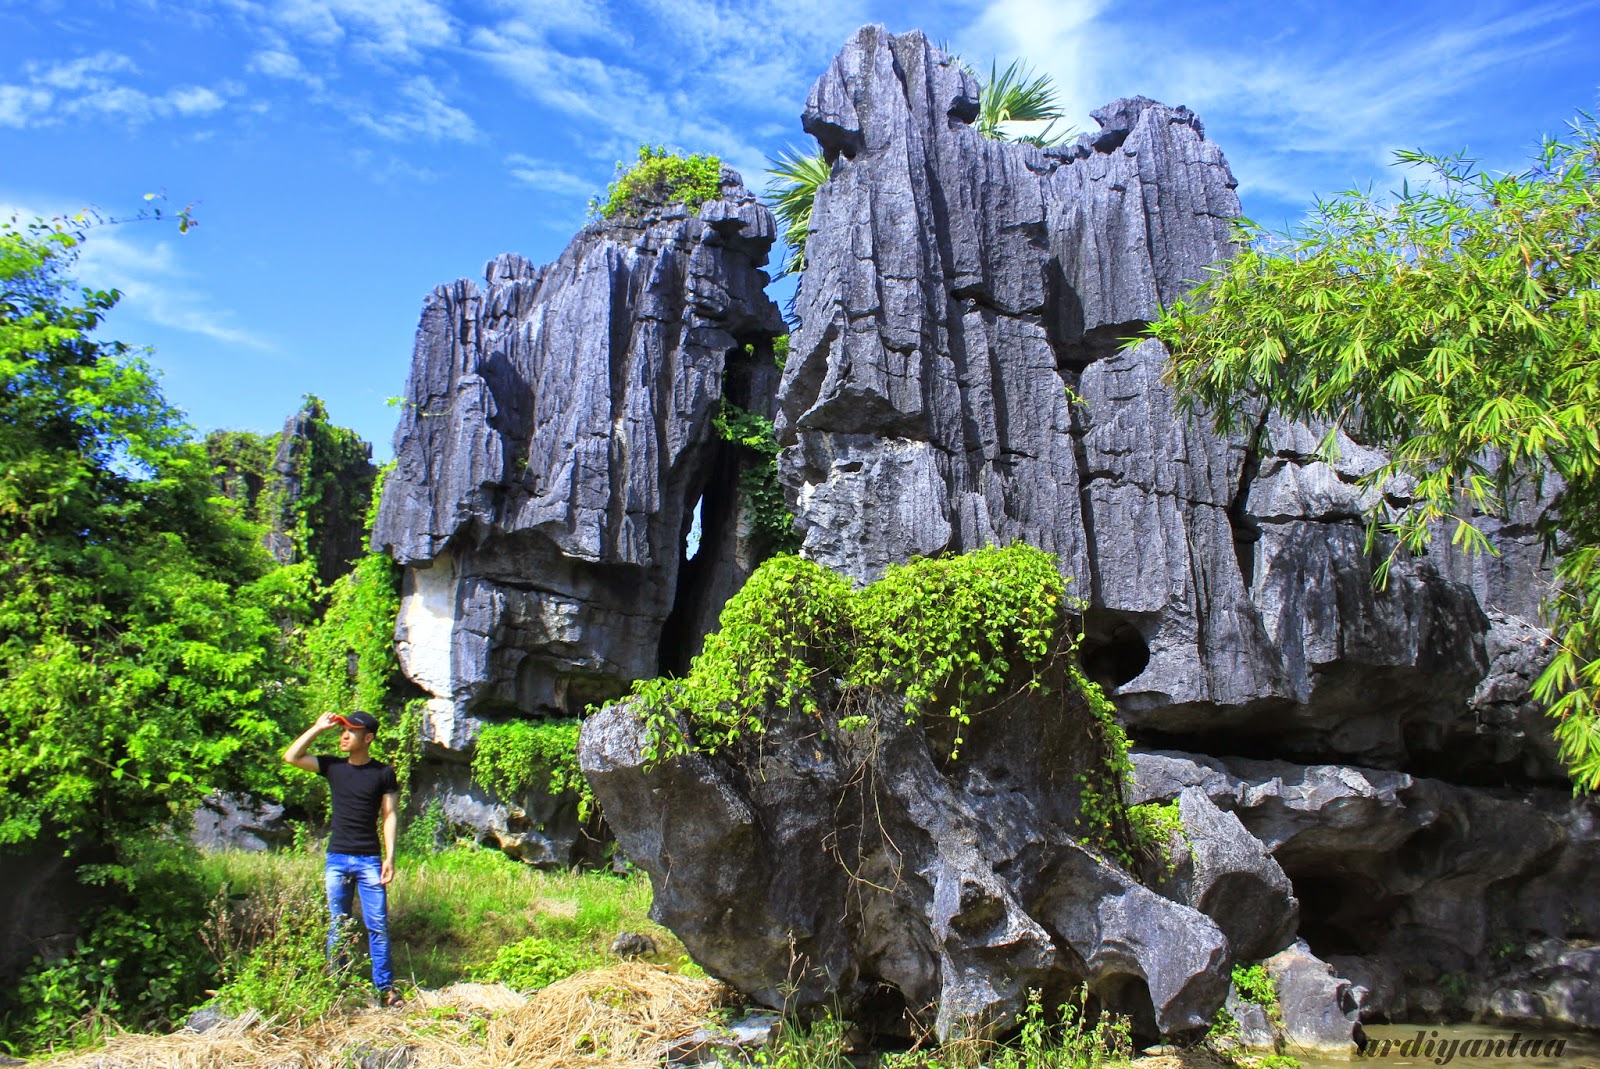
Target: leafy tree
(1457,324)
(1014,95)
(141,660)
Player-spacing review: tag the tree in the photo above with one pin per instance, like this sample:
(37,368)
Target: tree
(1458,325)
(1014,95)
(141,661)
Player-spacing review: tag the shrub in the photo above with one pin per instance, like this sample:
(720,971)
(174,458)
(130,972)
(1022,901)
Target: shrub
(534,962)
(661,177)
(272,949)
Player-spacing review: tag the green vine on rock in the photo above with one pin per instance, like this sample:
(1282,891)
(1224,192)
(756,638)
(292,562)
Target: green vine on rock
(524,755)
(759,490)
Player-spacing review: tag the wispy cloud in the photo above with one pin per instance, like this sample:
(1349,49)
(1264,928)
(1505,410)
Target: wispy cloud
(157,289)
(1298,104)
(424,112)
(387,30)
(549,178)
(88,87)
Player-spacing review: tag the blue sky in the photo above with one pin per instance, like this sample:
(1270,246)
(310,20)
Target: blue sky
(345,156)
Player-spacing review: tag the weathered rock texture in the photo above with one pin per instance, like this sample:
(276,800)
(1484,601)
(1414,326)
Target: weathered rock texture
(1429,897)
(556,439)
(815,867)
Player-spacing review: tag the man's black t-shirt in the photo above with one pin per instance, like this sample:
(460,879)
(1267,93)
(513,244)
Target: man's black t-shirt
(358,792)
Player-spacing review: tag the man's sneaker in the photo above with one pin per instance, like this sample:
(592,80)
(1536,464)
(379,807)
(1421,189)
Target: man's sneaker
(392,999)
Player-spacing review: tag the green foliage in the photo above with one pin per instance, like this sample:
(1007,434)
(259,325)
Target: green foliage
(792,183)
(139,646)
(820,1045)
(1458,325)
(1018,95)
(946,636)
(1067,1042)
(532,963)
(661,177)
(1071,1044)
(241,467)
(272,949)
(778,639)
(350,651)
(759,489)
(136,963)
(1154,828)
(1255,984)
(946,633)
(524,755)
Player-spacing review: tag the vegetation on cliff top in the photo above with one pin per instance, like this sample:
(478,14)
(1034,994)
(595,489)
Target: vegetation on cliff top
(661,177)
(1457,325)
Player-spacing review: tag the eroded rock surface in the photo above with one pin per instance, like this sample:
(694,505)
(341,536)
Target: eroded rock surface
(958,379)
(556,440)
(815,868)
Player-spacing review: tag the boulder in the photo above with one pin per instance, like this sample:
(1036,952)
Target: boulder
(818,867)
(1312,1001)
(235,822)
(1223,871)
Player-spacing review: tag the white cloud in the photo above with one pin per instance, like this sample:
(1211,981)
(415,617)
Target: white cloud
(156,288)
(551,179)
(283,64)
(20,105)
(427,114)
(385,30)
(85,87)
(89,72)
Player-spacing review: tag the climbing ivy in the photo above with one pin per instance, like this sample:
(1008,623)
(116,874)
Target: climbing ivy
(759,490)
(1154,827)
(945,632)
(947,637)
(661,177)
(524,755)
(780,638)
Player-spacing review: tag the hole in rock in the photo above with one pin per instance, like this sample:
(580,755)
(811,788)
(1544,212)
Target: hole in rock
(1128,996)
(1342,913)
(691,538)
(1114,650)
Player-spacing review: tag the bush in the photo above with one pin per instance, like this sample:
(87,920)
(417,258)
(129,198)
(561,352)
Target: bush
(662,177)
(532,963)
(272,949)
(137,963)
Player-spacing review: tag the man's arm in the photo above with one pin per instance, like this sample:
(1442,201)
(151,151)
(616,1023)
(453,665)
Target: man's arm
(391,826)
(296,753)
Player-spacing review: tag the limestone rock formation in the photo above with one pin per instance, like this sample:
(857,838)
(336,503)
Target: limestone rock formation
(555,448)
(1223,871)
(816,867)
(958,380)
(1411,886)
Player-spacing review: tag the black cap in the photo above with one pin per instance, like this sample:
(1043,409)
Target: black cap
(358,719)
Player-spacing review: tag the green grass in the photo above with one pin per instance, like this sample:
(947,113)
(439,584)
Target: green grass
(450,913)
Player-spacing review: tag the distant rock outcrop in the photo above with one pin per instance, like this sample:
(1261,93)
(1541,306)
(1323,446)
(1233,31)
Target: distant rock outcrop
(555,449)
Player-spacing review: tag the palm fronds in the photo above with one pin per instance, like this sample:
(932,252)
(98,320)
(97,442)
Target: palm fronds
(794,178)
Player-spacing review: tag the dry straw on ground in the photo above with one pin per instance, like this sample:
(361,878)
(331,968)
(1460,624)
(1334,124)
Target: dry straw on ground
(614,1018)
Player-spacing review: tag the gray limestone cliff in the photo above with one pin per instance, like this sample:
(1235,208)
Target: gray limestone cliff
(959,378)
(555,444)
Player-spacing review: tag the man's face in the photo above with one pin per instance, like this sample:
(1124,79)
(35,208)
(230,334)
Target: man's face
(353,739)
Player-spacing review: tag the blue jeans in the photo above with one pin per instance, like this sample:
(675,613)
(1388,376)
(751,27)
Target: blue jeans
(345,874)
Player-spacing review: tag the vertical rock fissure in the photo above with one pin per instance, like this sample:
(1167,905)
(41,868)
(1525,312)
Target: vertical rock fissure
(1246,531)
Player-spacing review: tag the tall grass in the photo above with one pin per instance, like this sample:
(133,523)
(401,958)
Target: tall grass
(451,912)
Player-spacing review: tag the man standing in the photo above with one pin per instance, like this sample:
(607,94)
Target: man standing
(362,789)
